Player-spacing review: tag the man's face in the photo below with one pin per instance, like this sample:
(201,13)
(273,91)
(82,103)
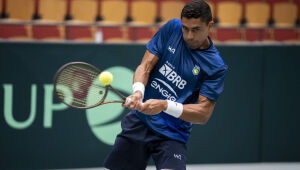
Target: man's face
(195,31)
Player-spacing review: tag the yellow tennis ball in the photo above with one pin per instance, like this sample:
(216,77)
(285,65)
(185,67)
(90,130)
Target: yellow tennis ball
(105,78)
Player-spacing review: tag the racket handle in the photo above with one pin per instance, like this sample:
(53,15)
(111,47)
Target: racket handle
(129,99)
(117,92)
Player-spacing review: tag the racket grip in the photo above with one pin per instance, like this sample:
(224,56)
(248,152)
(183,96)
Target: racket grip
(127,100)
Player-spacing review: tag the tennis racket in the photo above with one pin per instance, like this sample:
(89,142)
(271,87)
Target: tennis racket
(76,84)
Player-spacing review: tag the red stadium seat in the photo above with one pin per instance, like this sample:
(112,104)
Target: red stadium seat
(257,34)
(228,34)
(15,31)
(114,34)
(286,34)
(253,34)
(141,34)
(48,32)
(80,32)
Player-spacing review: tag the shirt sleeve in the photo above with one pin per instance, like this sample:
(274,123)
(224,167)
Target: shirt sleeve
(213,85)
(157,43)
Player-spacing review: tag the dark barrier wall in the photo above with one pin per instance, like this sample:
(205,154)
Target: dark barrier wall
(255,120)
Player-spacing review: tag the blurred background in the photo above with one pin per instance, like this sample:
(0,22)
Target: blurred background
(256,122)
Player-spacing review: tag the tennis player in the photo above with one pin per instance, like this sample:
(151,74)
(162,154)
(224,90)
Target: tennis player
(176,85)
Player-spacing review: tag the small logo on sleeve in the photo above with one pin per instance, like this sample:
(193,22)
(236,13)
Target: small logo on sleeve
(172,50)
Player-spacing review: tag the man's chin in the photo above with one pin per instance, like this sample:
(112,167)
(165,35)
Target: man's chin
(193,47)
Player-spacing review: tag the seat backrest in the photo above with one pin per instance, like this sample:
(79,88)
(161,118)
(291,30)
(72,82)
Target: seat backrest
(143,11)
(257,14)
(171,9)
(52,10)
(229,13)
(84,10)
(285,14)
(15,31)
(20,9)
(286,34)
(1,6)
(109,8)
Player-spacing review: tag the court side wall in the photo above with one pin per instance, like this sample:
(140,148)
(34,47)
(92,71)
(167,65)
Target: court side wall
(255,120)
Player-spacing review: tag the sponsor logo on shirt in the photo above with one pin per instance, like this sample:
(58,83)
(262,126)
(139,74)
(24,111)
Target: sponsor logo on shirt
(167,70)
(172,76)
(156,84)
(196,70)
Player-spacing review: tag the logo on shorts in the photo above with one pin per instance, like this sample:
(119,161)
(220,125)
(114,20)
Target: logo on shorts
(177,156)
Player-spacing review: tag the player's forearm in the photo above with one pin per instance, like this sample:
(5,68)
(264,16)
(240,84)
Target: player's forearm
(194,113)
(142,72)
(197,113)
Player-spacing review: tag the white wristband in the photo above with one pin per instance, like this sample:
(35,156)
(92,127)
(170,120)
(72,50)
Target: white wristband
(175,109)
(138,86)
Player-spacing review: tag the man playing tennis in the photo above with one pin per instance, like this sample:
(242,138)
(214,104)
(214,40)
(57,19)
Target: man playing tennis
(177,84)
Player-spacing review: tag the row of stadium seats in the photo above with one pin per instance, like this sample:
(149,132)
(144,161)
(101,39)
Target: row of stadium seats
(257,13)
(137,33)
(112,11)
(50,19)
(252,13)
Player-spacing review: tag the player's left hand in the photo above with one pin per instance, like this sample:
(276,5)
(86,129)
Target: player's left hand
(153,106)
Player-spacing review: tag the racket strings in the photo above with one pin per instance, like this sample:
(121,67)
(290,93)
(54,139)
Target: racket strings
(79,79)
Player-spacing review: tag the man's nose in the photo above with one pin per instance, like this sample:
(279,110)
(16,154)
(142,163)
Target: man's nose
(190,35)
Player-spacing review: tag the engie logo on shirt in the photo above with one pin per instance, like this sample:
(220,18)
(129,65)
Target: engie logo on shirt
(164,87)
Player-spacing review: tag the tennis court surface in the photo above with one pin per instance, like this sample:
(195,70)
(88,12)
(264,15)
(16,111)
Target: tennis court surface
(237,166)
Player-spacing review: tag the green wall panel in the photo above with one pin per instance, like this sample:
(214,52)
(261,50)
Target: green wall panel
(256,118)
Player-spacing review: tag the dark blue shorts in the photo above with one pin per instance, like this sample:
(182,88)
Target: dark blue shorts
(136,143)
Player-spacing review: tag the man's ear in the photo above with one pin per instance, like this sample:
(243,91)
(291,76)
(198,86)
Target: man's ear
(211,24)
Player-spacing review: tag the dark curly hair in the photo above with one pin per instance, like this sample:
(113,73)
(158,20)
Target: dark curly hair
(197,9)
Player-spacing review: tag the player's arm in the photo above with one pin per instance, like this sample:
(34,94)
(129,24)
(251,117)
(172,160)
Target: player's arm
(142,72)
(140,78)
(198,113)
(195,113)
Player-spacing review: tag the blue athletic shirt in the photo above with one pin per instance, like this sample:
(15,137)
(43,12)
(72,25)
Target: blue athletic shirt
(180,75)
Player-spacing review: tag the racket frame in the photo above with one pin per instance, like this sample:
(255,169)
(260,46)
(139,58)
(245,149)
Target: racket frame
(101,102)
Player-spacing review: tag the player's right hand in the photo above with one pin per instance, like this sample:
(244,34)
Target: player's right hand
(134,101)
